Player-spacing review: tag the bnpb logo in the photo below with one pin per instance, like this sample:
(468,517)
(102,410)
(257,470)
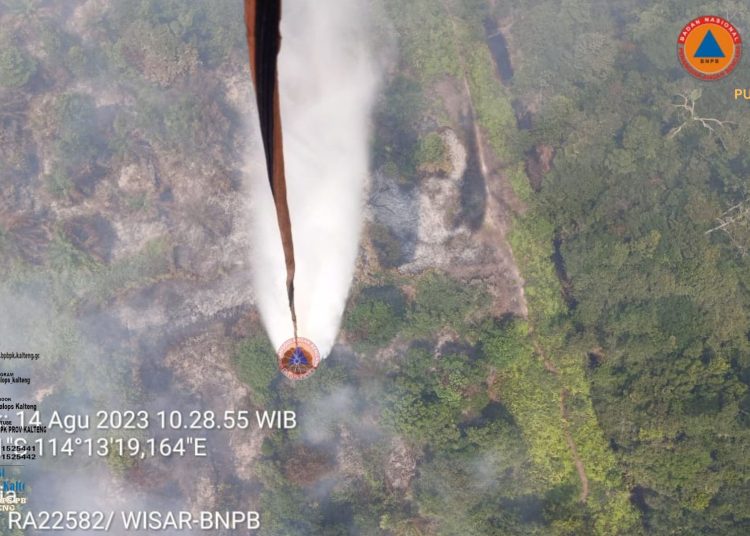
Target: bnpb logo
(709,47)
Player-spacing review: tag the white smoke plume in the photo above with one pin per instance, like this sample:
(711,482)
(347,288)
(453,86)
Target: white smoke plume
(328,80)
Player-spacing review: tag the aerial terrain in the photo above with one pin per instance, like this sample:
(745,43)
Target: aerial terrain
(547,332)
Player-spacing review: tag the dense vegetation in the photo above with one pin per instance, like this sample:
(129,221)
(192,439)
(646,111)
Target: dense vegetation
(656,305)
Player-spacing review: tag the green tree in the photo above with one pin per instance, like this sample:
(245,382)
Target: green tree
(255,360)
(16,66)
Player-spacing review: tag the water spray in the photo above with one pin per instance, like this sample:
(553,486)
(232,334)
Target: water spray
(323,93)
(262,21)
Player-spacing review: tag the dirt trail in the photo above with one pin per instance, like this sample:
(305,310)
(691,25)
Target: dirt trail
(496,214)
(580,468)
(549,366)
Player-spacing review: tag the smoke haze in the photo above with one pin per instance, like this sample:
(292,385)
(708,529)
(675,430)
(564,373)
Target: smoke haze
(327,84)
